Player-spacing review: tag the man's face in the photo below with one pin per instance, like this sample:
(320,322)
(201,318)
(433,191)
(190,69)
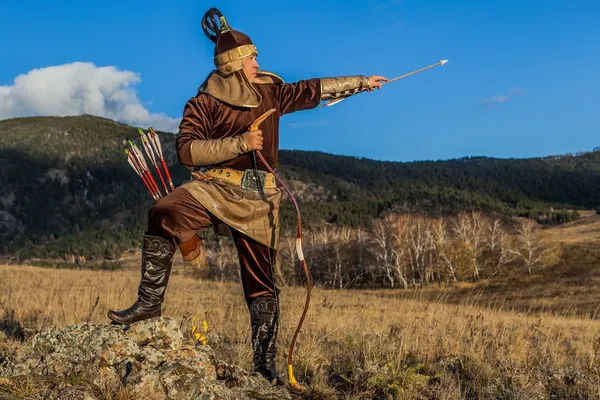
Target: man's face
(250,67)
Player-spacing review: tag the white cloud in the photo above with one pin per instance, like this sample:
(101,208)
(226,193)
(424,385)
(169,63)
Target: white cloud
(80,88)
(501,98)
(495,99)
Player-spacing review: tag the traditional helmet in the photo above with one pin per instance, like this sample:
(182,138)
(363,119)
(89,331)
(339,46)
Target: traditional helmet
(231,46)
(228,82)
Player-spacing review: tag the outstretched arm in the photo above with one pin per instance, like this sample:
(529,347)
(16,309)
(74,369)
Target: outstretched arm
(308,94)
(343,86)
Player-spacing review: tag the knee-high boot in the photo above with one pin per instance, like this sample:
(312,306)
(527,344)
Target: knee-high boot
(264,318)
(157,259)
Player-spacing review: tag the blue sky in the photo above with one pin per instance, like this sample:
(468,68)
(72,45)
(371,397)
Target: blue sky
(521,81)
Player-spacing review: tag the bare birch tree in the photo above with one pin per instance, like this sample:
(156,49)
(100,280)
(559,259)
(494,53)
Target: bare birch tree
(339,255)
(397,225)
(418,242)
(499,246)
(441,241)
(360,257)
(531,249)
(470,228)
(383,248)
(495,233)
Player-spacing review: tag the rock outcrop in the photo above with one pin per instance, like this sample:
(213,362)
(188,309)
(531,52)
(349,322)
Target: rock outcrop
(149,360)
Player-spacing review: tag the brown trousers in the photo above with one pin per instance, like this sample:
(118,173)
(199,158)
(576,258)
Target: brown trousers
(179,216)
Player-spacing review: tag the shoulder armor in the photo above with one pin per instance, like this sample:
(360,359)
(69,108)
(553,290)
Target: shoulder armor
(263,77)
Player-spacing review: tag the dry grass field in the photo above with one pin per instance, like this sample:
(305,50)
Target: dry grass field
(584,230)
(512,337)
(568,286)
(354,344)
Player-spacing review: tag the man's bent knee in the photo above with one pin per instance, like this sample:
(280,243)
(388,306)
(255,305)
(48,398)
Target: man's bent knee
(161,216)
(162,210)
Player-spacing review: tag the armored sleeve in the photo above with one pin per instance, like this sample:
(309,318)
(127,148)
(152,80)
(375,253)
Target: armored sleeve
(194,145)
(343,86)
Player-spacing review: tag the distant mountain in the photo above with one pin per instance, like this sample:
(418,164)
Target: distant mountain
(67,188)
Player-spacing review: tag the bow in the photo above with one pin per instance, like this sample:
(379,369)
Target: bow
(292,380)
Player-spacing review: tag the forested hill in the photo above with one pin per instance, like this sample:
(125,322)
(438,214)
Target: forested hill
(508,186)
(66,186)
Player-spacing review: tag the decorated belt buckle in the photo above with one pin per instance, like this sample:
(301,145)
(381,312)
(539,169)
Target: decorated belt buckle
(251,178)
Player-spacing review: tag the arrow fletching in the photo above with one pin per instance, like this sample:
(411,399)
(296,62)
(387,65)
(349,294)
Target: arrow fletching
(138,154)
(148,149)
(130,161)
(334,102)
(155,140)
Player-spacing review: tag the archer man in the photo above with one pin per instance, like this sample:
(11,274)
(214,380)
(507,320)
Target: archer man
(233,190)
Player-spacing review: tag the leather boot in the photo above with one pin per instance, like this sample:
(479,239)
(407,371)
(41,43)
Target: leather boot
(264,318)
(157,259)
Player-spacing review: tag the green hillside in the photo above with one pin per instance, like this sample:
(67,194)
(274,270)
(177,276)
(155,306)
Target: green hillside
(66,186)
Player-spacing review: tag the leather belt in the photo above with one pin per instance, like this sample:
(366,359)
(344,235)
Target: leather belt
(246,179)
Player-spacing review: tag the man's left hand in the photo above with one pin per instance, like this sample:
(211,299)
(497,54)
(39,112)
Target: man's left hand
(376,81)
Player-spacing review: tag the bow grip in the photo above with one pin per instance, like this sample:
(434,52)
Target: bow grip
(259,120)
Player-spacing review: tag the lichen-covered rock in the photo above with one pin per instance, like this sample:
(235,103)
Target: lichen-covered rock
(159,333)
(149,359)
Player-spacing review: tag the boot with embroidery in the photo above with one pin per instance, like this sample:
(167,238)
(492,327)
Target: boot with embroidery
(157,259)
(264,318)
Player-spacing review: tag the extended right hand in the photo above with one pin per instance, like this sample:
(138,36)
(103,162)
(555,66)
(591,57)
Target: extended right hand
(254,140)
(376,81)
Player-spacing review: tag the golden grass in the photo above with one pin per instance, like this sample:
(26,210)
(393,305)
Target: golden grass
(354,344)
(583,230)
